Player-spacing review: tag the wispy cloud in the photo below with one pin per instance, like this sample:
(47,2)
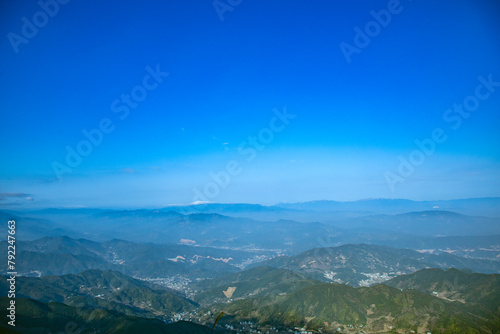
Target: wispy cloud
(5,196)
(15,199)
(128,170)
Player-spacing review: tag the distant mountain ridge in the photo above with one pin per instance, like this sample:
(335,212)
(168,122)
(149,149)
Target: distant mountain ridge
(486,206)
(428,223)
(311,210)
(219,230)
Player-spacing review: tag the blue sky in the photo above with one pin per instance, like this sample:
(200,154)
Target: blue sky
(227,80)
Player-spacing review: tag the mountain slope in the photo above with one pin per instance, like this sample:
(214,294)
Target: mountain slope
(452,284)
(64,255)
(372,309)
(360,265)
(33,228)
(259,281)
(44,318)
(209,229)
(137,297)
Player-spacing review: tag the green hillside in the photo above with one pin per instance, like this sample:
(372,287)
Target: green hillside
(363,265)
(373,309)
(107,290)
(259,281)
(64,255)
(33,317)
(453,284)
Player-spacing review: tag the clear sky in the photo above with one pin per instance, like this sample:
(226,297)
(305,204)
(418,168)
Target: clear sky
(162,102)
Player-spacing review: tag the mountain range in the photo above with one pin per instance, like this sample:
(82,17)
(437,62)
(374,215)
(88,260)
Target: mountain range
(380,308)
(372,266)
(428,230)
(435,300)
(172,264)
